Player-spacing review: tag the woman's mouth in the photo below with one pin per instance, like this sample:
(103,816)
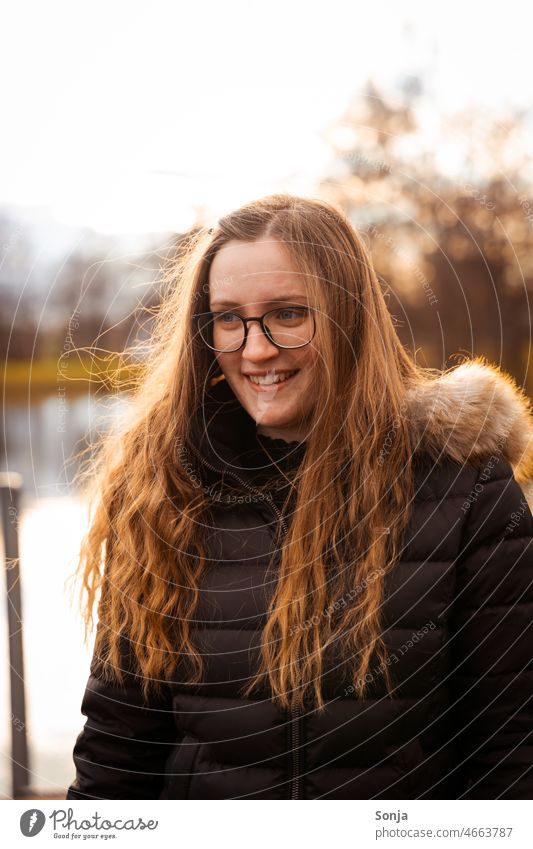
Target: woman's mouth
(270,379)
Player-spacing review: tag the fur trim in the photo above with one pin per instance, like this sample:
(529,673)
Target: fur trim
(472,412)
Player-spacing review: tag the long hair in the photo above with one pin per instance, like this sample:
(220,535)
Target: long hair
(143,556)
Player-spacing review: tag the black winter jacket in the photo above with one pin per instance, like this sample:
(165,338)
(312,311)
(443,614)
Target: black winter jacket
(458,625)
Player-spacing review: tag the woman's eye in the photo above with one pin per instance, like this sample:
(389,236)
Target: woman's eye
(227,318)
(291,313)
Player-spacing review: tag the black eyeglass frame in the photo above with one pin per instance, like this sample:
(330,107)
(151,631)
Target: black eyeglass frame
(261,319)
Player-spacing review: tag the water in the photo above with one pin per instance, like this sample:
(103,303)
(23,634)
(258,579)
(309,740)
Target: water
(42,440)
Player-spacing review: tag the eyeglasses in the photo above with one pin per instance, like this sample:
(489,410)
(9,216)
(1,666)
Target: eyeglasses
(285,327)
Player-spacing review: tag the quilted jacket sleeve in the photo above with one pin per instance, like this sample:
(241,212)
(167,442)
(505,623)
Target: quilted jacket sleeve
(492,640)
(121,751)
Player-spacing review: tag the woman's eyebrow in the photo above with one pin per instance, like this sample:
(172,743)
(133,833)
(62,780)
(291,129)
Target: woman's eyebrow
(292,298)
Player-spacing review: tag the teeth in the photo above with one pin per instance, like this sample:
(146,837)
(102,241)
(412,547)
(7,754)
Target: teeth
(268,379)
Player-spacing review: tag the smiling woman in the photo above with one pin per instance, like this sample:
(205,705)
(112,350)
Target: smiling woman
(294,600)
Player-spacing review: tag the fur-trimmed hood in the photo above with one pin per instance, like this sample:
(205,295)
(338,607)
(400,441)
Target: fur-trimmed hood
(472,412)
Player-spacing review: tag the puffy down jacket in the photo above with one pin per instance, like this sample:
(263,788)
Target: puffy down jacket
(458,625)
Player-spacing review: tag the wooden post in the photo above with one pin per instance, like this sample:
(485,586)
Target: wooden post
(10,491)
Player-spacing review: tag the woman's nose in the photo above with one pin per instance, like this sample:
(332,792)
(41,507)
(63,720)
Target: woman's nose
(258,346)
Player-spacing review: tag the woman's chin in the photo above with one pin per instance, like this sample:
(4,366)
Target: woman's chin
(270,408)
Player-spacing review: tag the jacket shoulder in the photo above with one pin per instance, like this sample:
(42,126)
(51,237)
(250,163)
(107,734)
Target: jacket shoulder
(441,478)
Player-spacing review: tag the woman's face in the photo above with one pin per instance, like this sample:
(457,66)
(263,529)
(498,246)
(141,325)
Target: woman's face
(247,279)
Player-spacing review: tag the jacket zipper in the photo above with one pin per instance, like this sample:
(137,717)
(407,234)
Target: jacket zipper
(296,790)
(295,716)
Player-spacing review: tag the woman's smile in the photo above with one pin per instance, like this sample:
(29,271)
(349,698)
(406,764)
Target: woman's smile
(270,380)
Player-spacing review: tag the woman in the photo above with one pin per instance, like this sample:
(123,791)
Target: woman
(318,569)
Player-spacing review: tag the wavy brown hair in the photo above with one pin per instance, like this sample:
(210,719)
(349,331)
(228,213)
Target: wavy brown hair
(142,557)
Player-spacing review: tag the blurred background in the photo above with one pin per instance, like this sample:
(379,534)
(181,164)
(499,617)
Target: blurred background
(127,125)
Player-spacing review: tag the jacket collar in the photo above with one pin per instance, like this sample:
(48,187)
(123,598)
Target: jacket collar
(469,413)
(226,430)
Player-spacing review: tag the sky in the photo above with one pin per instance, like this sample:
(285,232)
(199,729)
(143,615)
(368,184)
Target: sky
(140,117)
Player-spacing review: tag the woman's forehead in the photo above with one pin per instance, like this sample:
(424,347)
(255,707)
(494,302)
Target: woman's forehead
(250,257)
(260,271)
